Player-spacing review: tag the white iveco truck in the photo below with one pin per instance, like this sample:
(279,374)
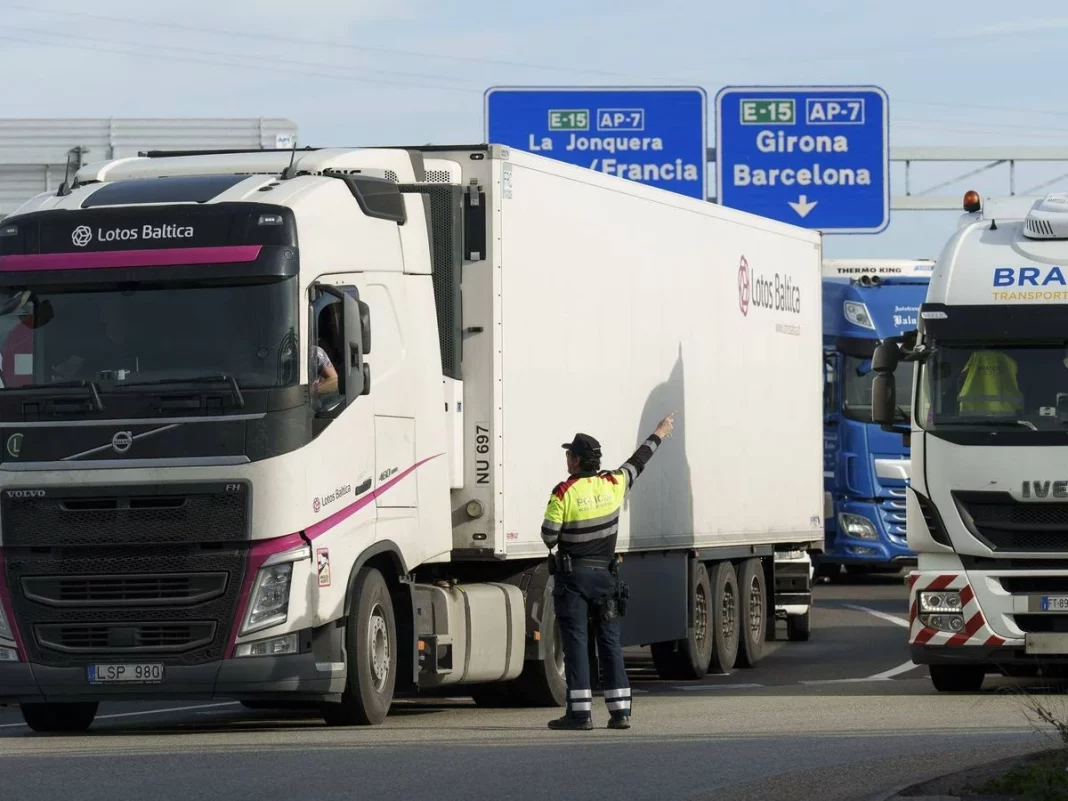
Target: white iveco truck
(988,504)
(195,504)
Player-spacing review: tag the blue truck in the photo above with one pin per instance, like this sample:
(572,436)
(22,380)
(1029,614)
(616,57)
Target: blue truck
(865,469)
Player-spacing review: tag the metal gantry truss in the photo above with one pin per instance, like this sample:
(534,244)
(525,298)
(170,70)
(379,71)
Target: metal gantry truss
(989,157)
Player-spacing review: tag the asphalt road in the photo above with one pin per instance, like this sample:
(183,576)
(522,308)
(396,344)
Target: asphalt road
(844,716)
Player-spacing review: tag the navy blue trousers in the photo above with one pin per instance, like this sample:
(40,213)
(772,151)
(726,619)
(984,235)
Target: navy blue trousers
(575,596)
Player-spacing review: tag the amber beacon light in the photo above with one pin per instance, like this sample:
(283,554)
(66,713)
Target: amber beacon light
(972,201)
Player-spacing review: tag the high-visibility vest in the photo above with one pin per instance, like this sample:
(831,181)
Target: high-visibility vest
(990,385)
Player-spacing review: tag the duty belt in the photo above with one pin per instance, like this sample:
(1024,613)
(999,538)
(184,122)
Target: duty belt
(591,561)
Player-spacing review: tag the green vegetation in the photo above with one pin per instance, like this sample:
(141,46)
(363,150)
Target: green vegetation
(1043,777)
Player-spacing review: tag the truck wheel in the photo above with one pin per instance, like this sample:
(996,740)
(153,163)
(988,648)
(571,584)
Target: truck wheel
(542,682)
(958,678)
(799,627)
(371,643)
(725,618)
(59,718)
(754,613)
(685,660)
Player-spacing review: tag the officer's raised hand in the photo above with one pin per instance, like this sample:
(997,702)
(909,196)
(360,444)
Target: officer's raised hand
(664,428)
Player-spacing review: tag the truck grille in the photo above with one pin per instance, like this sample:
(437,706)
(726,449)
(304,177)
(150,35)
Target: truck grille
(152,571)
(151,514)
(159,590)
(126,638)
(1005,524)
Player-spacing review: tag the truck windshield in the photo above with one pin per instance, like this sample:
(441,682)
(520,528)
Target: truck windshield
(144,334)
(857,388)
(995,386)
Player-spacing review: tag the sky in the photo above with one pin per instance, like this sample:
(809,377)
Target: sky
(414,71)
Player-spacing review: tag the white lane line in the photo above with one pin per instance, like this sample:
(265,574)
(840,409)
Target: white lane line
(140,714)
(897,621)
(889,674)
(700,688)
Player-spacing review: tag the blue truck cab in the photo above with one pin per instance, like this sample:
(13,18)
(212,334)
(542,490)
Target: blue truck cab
(865,469)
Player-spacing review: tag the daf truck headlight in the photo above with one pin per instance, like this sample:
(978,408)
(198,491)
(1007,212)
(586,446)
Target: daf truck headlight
(857,526)
(857,314)
(269,602)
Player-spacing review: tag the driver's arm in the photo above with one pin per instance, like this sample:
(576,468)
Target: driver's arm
(327,378)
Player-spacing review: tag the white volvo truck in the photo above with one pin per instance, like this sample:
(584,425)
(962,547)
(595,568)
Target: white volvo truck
(190,508)
(988,504)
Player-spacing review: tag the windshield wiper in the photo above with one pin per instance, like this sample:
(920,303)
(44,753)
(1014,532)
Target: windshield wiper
(218,378)
(94,389)
(993,424)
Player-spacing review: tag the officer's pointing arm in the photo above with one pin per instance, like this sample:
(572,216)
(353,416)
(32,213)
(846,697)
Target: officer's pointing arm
(635,465)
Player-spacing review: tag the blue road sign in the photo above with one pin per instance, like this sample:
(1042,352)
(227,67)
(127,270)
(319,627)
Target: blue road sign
(818,157)
(652,135)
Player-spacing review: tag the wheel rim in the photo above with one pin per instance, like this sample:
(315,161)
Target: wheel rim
(756,610)
(727,623)
(378,647)
(700,623)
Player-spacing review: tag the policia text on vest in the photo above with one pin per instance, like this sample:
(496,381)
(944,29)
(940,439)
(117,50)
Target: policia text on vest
(582,518)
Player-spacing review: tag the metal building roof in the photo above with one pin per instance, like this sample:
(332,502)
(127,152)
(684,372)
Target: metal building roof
(34,152)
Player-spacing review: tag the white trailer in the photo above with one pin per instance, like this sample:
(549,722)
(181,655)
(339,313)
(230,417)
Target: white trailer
(986,510)
(481,305)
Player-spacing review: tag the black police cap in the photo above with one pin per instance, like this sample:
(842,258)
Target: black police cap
(583,445)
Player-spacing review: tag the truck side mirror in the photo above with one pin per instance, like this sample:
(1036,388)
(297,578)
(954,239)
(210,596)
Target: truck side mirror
(357,335)
(883,399)
(886,357)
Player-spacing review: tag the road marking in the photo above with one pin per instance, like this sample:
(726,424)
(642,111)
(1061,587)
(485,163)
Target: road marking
(706,687)
(897,621)
(140,714)
(889,674)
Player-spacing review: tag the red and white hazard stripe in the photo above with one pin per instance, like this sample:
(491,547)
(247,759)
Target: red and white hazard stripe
(975,631)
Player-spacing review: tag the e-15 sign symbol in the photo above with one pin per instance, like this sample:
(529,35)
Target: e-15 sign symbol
(569,119)
(770,111)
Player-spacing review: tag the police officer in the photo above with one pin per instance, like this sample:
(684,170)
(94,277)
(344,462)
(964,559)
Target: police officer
(582,518)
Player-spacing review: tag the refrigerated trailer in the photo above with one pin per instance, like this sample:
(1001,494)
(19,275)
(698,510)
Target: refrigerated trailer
(192,507)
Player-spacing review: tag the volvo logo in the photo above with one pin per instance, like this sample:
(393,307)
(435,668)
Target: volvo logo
(81,236)
(25,493)
(122,441)
(14,445)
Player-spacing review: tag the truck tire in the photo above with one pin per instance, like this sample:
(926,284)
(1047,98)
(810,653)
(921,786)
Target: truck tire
(686,660)
(725,618)
(799,627)
(542,682)
(59,718)
(958,678)
(754,613)
(371,645)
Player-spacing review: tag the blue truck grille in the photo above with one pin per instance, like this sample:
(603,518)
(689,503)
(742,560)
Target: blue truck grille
(892,511)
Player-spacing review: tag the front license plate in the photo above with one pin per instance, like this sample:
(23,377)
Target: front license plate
(1055,603)
(126,674)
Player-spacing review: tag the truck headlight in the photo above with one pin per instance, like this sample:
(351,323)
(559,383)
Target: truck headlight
(857,526)
(944,601)
(272,646)
(269,602)
(5,627)
(857,314)
(950,623)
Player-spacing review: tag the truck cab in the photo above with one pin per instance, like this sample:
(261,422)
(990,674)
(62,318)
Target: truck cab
(866,469)
(988,501)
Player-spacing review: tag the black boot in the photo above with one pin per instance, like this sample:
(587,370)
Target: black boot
(619,722)
(569,723)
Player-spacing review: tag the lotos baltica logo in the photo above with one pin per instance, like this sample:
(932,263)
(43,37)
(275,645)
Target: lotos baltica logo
(744,285)
(81,236)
